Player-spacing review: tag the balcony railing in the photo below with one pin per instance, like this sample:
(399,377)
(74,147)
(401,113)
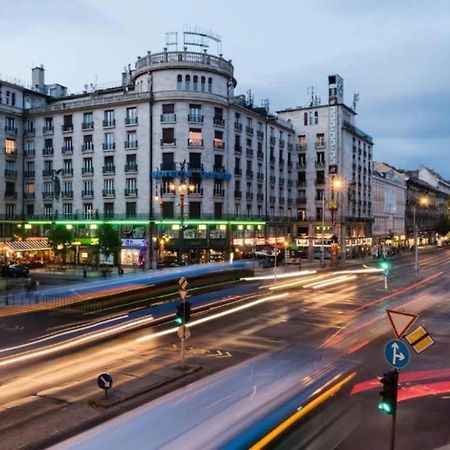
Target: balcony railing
(167,166)
(168,143)
(320,163)
(272,179)
(237,148)
(320,144)
(87,193)
(29,195)
(47,172)
(67,194)
(131,120)
(109,123)
(47,195)
(10,130)
(10,173)
(195,118)
(87,147)
(238,126)
(195,143)
(249,195)
(249,152)
(87,126)
(218,144)
(281,142)
(249,173)
(260,176)
(47,151)
(67,149)
(67,172)
(259,197)
(302,147)
(131,144)
(290,146)
(109,192)
(219,192)
(29,132)
(29,152)
(29,174)
(219,121)
(109,145)
(301,201)
(109,168)
(48,130)
(237,194)
(218,168)
(130,167)
(301,182)
(168,118)
(272,140)
(319,181)
(196,192)
(272,160)
(260,134)
(130,192)
(87,171)
(249,130)
(67,128)
(238,171)
(260,154)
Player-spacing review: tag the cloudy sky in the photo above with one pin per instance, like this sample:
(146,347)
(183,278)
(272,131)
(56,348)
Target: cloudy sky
(396,54)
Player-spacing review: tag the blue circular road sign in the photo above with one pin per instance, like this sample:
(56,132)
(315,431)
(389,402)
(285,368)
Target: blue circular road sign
(396,353)
(104,381)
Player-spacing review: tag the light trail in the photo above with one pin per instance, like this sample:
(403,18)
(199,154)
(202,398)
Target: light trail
(295,283)
(301,412)
(330,282)
(215,316)
(366,270)
(300,273)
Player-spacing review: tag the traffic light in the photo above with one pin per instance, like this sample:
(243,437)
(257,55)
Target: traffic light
(388,403)
(386,266)
(187,312)
(179,316)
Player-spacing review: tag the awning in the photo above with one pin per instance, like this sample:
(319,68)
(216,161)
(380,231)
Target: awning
(26,245)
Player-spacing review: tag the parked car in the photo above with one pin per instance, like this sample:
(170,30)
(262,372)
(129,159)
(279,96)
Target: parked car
(17,270)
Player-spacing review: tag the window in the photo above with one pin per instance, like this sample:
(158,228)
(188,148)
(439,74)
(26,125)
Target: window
(88,166)
(319,213)
(48,211)
(316,117)
(209,84)
(67,147)
(168,136)
(195,83)
(48,189)
(88,120)
(167,210)
(320,140)
(10,189)
(320,158)
(131,115)
(108,210)
(168,108)
(67,123)
(168,161)
(109,141)
(88,187)
(218,113)
(67,189)
(218,207)
(305,118)
(188,82)
(195,161)
(195,137)
(48,124)
(88,210)
(10,124)
(109,118)
(108,186)
(319,194)
(13,98)
(203,84)
(67,166)
(195,113)
(131,141)
(131,185)
(195,210)
(30,210)
(179,82)
(67,210)
(301,214)
(10,146)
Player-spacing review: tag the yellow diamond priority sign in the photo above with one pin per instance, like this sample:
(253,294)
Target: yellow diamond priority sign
(419,339)
(183,283)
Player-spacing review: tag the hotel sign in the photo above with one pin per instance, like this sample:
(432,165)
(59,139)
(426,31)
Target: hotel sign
(333,124)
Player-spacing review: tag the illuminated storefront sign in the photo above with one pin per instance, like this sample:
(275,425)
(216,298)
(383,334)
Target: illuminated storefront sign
(333,135)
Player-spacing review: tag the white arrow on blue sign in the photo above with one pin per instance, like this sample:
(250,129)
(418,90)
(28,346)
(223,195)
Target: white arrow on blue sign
(396,353)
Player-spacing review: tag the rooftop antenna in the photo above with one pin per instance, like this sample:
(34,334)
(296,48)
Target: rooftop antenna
(355,100)
(172,40)
(200,37)
(265,103)
(250,97)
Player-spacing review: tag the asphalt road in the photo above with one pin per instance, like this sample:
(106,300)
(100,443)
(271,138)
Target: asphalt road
(42,397)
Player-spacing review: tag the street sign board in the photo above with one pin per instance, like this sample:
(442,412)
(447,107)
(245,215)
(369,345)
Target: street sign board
(183,294)
(104,381)
(396,353)
(184,333)
(400,321)
(183,283)
(419,339)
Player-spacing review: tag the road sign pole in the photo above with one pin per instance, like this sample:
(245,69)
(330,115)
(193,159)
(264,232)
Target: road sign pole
(385,281)
(394,420)
(183,357)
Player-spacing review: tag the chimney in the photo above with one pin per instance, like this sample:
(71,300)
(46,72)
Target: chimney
(38,79)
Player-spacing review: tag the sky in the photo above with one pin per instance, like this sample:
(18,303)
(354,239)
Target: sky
(395,54)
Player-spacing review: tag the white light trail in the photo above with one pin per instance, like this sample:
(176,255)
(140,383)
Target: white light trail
(332,281)
(294,283)
(281,275)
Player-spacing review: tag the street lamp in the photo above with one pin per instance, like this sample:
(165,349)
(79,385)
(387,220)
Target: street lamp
(423,202)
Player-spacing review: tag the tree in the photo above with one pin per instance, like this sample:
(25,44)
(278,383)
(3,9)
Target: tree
(443,225)
(109,242)
(60,239)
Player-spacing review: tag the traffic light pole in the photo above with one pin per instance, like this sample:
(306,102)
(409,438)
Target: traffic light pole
(394,420)
(183,334)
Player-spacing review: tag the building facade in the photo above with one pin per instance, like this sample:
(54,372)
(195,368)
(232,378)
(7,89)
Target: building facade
(187,170)
(332,147)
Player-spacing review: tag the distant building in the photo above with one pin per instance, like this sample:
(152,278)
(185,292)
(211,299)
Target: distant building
(388,199)
(330,146)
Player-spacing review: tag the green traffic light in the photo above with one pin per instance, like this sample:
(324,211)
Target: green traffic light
(179,320)
(385,407)
(384,265)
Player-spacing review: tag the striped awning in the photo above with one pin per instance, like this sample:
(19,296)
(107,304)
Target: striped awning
(26,245)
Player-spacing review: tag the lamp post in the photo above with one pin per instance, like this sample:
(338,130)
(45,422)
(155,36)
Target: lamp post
(423,201)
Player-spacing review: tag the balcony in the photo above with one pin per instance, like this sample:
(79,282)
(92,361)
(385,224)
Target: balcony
(272,140)
(48,195)
(109,146)
(301,165)
(260,134)
(168,118)
(249,173)
(196,192)
(49,129)
(289,201)
(319,163)
(282,162)
(238,126)
(219,192)
(290,146)
(320,144)
(167,143)
(289,164)
(130,121)
(301,182)
(249,152)
(195,118)
(109,193)
(167,166)
(10,130)
(67,150)
(195,167)
(260,176)
(109,168)
(237,149)
(282,143)
(281,181)
(272,199)
(301,201)
(86,126)
(219,121)
(259,197)
(67,128)
(281,200)
(27,153)
(29,174)
(10,152)
(29,195)
(130,192)
(319,181)
(88,171)
(89,193)
(260,154)
(218,144)
(47,172)
(67,194)
(87,147)
(249,196)
(111,123)
(28,132)
(10,173)
(238,171)
(10,194)
(131,167)
(272,179)
(249,130)
(237,194)
(220,169)
(302,147)
(67,172)
(195,143)
(290,183)
(272,160)
(131,145)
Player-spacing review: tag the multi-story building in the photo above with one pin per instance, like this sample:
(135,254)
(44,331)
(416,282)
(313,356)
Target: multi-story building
(332,147)
(171,156)
(388,200)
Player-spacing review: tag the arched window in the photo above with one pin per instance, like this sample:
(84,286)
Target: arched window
(188,83)
(179,82)
(316,117)
(305,119)
(203,84)
(311,118)
(195,86)
(209,84)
